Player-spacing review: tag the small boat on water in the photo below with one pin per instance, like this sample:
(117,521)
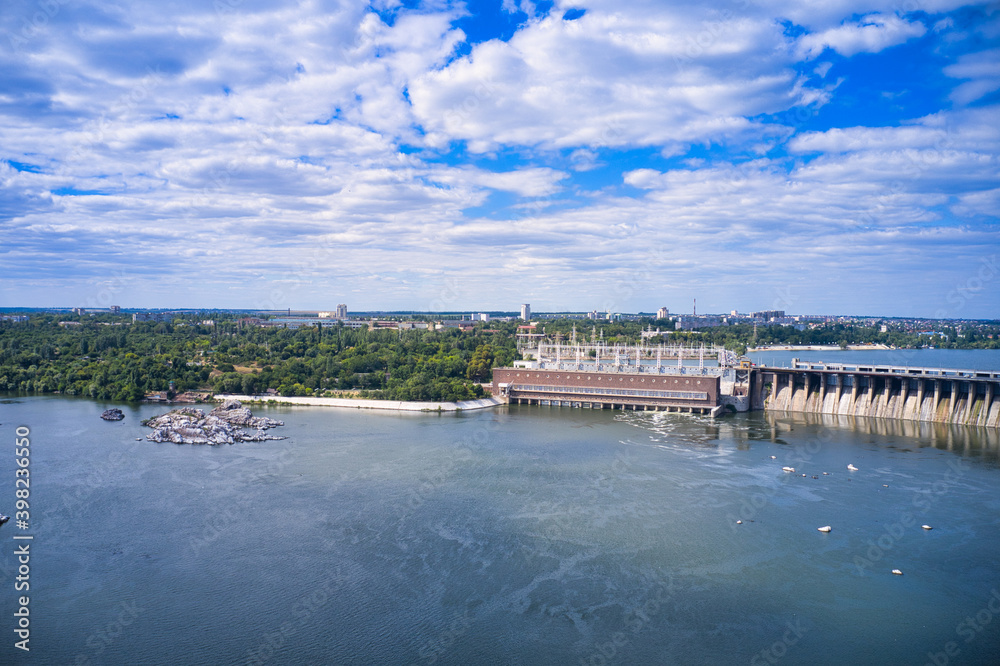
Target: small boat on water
(3,519)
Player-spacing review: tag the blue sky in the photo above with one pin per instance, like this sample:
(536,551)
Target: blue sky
(836,157)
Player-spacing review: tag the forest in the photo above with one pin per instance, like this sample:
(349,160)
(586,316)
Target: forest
(109,357)
(124,361)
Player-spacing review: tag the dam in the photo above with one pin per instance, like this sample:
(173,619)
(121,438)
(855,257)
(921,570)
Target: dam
(664,378)
(937,395)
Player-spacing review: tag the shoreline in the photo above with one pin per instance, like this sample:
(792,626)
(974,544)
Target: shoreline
(878,347)
(361,403)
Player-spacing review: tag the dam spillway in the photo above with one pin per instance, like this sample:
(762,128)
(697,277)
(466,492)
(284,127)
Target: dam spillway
(966,397)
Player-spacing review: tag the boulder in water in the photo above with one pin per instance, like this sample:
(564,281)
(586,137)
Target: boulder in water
(113,414)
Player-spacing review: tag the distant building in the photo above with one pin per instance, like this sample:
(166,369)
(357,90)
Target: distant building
(768,315)
(14,318)
(526,312)
(152,316)
(463,324)
(662,313)
(689,323)
(480,316)
(115,309)
(341,311)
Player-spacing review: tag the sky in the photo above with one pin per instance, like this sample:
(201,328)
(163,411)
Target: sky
(834,157)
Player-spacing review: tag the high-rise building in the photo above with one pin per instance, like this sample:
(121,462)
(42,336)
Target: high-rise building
(526,311)
(662,313)
(341,311)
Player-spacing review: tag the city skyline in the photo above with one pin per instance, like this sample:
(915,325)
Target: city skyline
(428,156)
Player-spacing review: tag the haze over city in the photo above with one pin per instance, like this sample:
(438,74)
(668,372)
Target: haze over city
(840,157)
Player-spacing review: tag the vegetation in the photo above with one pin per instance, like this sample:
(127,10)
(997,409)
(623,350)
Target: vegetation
(109,357)
(123,361)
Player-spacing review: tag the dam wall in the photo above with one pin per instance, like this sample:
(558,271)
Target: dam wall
(964,397)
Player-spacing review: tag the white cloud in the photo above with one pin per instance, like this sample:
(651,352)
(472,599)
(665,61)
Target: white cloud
(983,68)
(291,152)
(612,79)
(870,34)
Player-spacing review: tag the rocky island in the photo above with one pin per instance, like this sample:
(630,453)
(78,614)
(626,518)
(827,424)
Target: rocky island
(223,425)
(113,414)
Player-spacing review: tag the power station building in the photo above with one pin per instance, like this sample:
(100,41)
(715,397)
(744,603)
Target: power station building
(635,378)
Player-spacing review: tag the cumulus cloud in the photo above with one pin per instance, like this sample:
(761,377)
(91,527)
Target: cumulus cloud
(870,34)
(285,152)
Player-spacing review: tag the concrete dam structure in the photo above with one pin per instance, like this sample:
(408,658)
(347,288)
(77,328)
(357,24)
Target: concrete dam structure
(966,397)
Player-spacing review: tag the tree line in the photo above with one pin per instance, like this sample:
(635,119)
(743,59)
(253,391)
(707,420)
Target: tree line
(121,361)
(111,358)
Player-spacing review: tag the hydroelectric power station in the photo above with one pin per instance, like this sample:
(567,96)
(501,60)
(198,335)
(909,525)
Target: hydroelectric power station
(712,380)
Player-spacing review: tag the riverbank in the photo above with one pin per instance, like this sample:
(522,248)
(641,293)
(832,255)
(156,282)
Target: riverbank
(394,405)
(878,347)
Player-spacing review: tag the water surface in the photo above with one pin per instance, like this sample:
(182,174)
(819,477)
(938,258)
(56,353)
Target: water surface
(522,535)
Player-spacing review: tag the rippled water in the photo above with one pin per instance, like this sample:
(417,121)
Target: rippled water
(523,535)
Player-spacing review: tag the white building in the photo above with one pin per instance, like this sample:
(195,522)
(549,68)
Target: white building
(526,312)
(341,311)
(662,313)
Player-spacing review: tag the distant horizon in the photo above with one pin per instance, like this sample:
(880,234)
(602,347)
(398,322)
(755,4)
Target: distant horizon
(468,311)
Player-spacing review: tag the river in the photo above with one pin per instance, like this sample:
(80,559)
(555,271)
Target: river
(520,535)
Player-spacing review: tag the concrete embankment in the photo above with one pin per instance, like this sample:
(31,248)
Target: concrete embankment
(394,405)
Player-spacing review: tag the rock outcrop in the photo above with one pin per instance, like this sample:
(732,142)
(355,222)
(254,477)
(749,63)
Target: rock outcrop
(233,412)
(223,425)
(113,414)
